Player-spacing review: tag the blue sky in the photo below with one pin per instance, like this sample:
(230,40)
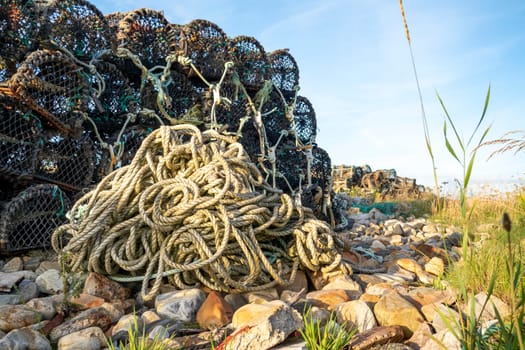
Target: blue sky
(355,68)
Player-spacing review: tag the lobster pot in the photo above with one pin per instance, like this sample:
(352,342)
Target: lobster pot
(66,161)
(20,133)
(52,85)
(305,122)
(275,118)
(284,73)
(19,26)
(77,26)
(145,33)
(28,219)
(251,62)
(207,46)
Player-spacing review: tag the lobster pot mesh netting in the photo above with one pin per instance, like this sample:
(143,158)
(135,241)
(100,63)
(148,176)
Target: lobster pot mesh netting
(251,62)
(28,219)
(207,46)
(305,121)
(284,73)
(20,132)
(145,33)
(66,161)
(77,26)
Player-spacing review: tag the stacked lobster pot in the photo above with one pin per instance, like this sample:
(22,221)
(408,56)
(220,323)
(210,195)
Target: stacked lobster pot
(80,90)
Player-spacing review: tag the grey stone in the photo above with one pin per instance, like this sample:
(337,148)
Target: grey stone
(101,286)
(264,325)
(355,314)
(91,338)
(50,282)
(32,262)
(442,313)
(47,306)
(27,290)
(17,316)
(26,339)
(488,313)
(127,322)
(180,305)
(442,340)
(9,279)
(13,265)
(10,299)
(47,265)
(95,317)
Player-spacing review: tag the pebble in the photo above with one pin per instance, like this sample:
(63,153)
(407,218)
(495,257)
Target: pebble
(384,298)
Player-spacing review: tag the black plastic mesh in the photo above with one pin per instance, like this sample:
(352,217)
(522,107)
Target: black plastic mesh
(78,26)
(50,83)
(28,220)
(19,27)
(305,121)
(66,161)
(251,62)
(207,46)
(284,72)
(20,132)
(146,33)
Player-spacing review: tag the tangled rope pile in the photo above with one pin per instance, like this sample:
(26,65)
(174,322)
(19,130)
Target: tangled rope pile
(192,207)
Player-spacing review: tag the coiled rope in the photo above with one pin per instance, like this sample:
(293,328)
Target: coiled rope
(192,207)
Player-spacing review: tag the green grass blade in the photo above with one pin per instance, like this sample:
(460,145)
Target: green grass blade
(487,98)
(447,143)
(451,123)
(469,171)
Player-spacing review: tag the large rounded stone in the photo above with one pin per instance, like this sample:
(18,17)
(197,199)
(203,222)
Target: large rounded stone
(25,338)
(392,309)
(181,305)
(17,316)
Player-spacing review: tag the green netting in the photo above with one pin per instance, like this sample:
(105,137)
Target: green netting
(387,208)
